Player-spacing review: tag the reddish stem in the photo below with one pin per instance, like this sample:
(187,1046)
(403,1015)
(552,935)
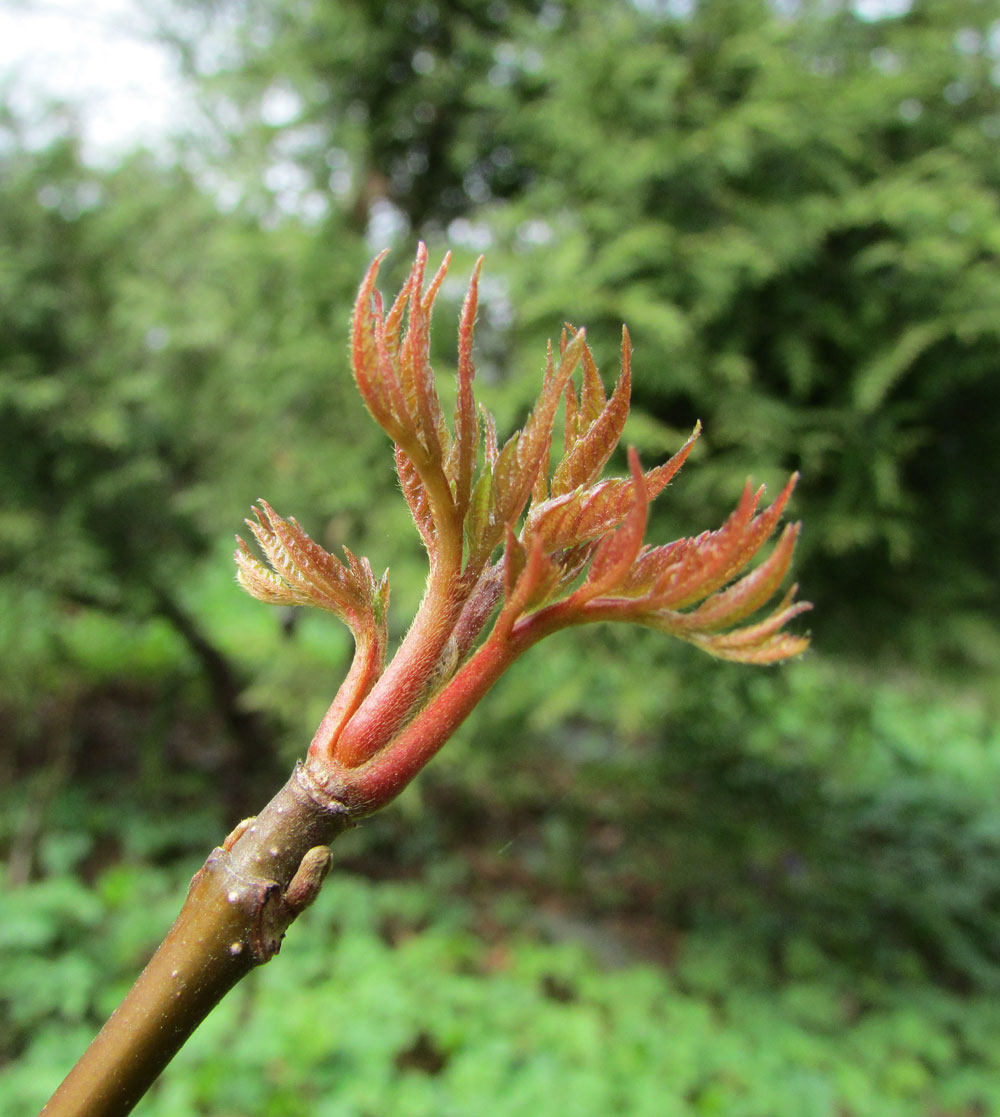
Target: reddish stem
(367,788)
(404,682)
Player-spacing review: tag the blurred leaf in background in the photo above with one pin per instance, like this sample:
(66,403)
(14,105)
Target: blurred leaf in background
(794,210)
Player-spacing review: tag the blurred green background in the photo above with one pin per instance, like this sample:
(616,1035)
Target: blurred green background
(638,881)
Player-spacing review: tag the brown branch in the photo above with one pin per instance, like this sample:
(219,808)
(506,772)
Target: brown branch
(250,749)
(236,913)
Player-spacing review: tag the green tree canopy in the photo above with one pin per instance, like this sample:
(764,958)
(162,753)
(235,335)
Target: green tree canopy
(794,210)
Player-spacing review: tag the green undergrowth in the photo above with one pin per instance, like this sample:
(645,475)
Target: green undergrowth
(390,998)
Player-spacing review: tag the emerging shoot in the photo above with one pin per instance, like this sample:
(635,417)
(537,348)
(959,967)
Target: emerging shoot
(517,548)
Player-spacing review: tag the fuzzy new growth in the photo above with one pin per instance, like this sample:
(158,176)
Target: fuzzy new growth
(517,549)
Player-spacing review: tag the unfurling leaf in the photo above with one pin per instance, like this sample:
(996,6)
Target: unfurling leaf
(617,551)
(303,573)
(596,426)
(588,513)
(665,580)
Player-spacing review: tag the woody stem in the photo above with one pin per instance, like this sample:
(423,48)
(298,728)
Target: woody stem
(237,910)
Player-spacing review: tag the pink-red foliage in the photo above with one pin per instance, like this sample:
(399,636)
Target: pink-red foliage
(518,548)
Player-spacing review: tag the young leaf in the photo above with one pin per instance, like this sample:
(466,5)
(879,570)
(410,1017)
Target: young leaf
(598,425)
(303,573)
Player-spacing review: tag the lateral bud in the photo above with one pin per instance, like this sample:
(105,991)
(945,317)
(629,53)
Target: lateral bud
(308,879)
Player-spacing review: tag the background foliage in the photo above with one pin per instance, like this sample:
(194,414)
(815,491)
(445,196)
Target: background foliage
(629,858)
